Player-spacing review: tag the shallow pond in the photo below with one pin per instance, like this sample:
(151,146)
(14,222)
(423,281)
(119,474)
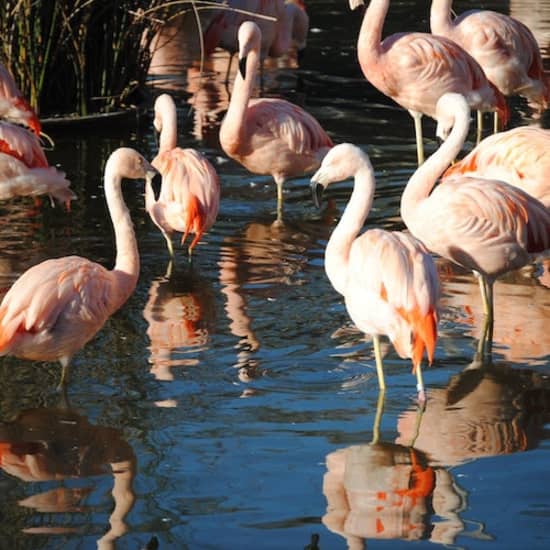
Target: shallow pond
(232,404)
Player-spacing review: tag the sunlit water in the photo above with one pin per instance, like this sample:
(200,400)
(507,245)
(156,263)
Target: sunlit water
(232,404)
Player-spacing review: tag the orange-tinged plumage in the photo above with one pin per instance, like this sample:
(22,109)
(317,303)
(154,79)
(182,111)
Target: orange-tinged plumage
(268,136)
(24,169)
(13,106)
(484,225)
(415,69)
(520,157)
(388,279)
(504,47)
(57,306)
(190,193)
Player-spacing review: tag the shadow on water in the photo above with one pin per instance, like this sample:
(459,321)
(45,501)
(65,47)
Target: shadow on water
(238,383)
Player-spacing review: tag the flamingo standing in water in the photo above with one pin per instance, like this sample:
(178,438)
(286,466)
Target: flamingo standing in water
(415,69)
(190,193)
(13,106)
(504,47)
(268,135)
(24,169)
(388,279)
(520,156)
(484,225)
(57,306)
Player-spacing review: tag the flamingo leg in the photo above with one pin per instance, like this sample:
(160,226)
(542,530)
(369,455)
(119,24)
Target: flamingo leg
(485,345)
(495,123)
(420,384)
(169,244)
(479,126)
(64,374)
(378,358)
(279,182)
(378,416)
(417,117)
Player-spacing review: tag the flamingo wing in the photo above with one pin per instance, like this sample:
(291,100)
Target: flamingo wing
(64,297)
(22,145)
(280,119)
(520,157)
(393,289)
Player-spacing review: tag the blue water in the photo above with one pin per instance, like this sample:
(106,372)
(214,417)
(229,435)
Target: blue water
(233,404)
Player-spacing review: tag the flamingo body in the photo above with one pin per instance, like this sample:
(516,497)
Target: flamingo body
(415,69)
(13,106)
(269,136)
(190,193)
(24,169)
(504,47)
(388,279)
(57,306)
(520,157)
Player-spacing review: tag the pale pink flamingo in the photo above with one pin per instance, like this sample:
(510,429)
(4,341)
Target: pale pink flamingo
(388,279)
(520,156)
(415,69)
(268,135)
(484,225)
(13,106)
(504,47)
(190,193)
(24,169)
(292,30)
(57,306)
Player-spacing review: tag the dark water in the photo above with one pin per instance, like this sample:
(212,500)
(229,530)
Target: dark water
(234,405)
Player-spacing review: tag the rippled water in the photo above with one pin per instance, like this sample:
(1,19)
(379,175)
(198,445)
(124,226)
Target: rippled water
(232,404)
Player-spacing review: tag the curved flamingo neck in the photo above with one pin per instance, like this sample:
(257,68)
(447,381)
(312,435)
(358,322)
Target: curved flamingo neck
(423,180)
(349,226)
(169,126)
(370,35)
(238,104)
(440,17)
(127,257)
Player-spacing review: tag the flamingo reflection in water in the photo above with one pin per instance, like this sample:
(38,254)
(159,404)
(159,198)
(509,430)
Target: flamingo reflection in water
(384,490)
(483,412)
(180,313)
(58,444)
(57,306)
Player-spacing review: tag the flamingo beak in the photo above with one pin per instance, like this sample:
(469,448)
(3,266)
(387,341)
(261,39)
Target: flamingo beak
(242,67)
(316,192)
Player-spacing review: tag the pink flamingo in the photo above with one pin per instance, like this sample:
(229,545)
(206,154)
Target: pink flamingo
(520,156)
(190,193)
(292,30)
(415,69)
(13,106)
(484,225)
(504,47)
(267,135)
(388,279)
(57,306)
(24,168)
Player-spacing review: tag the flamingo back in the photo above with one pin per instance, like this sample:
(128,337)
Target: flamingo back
(393,289)
(190,192)
(57,317)
(520,156)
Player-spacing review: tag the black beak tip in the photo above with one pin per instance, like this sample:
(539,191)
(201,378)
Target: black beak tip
(316,193)
(242,67)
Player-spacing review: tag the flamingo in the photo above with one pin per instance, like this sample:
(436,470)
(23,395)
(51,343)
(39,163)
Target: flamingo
(190,193)
(268,135)
(484,225)
(504,47)
(415,69)
(13,106)
(24,168)
(292,30)
(388,279)
(57,306)
(520,156)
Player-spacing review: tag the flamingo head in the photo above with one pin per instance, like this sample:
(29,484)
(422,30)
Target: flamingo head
(250,39)
(340,163)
